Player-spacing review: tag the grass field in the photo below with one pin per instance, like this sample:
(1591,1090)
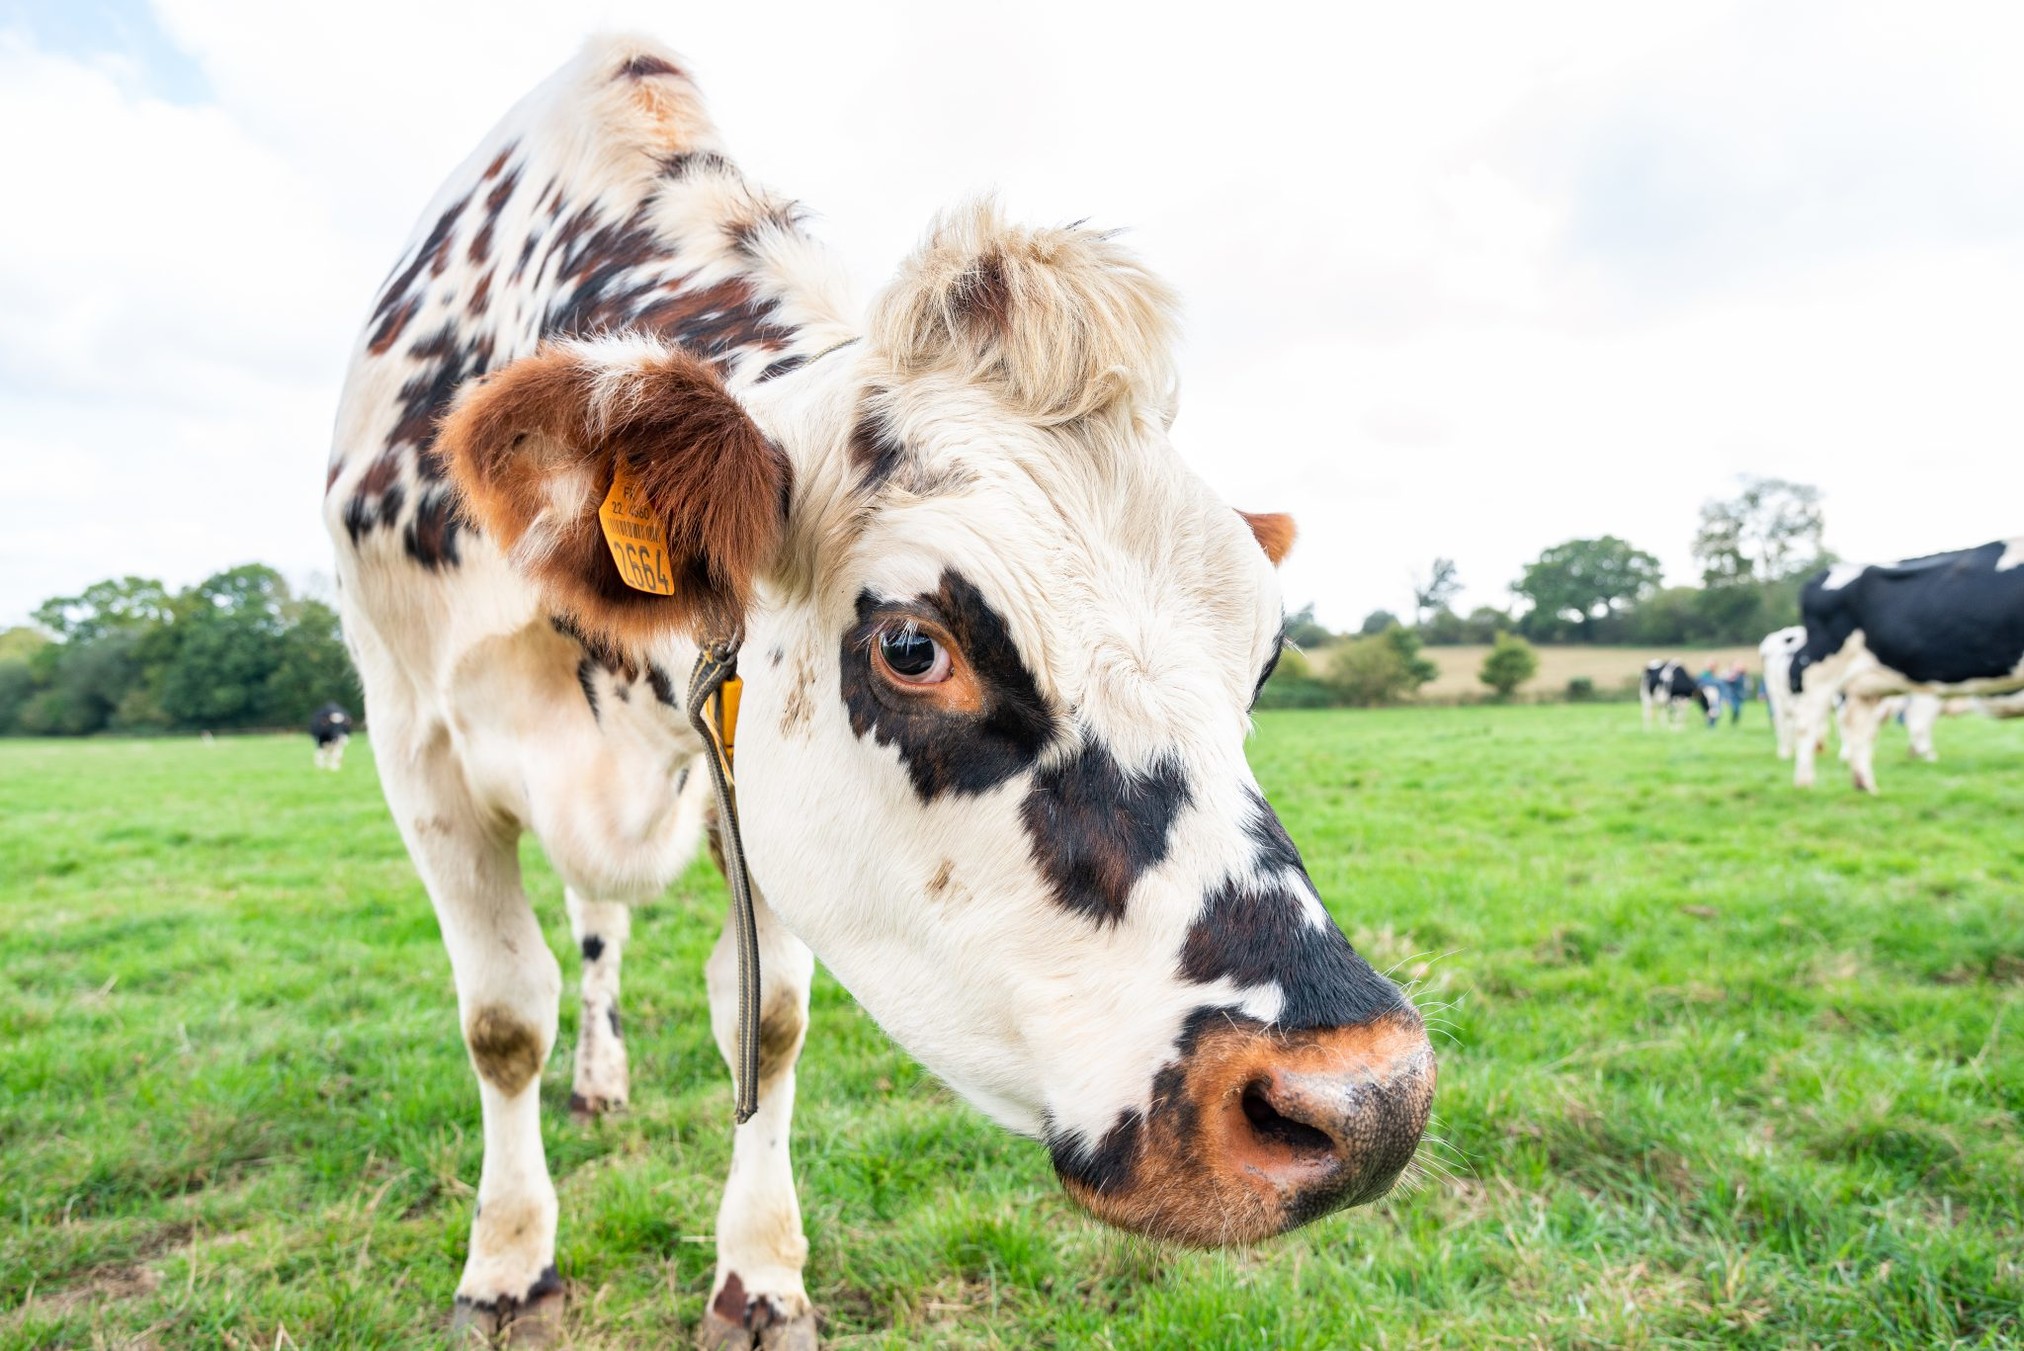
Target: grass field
(1611,668)
(1722,1065)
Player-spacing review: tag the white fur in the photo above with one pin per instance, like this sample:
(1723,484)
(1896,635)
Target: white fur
(1777,651)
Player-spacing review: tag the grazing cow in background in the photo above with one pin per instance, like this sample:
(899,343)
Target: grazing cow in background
(1949,623)
(1777,651)
(998,646)
(1668,688)
(331,728)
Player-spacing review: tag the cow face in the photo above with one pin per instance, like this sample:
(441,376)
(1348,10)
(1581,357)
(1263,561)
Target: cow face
(1830,623)
(1000,647)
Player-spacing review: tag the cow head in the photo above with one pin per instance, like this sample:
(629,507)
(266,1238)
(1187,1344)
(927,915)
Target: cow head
(1830,623)
(1000,645)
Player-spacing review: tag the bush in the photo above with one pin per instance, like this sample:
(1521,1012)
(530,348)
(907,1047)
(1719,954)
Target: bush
(1510,663)
(1365,672)
(1581,690)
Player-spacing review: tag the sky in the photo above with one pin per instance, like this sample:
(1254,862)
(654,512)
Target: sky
(1459,280)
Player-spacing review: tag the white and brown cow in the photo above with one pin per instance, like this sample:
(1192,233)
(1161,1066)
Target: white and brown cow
(999,646)
(1944,624)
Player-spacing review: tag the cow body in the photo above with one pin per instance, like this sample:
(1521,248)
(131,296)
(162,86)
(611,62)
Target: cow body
(1669,689)
(998,646)
(1946,624)
(330,728)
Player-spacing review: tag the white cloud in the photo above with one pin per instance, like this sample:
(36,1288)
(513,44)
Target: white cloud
(1463,281)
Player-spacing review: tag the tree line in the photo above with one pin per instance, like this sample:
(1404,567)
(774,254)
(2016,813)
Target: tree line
(238,650)
(1755,551)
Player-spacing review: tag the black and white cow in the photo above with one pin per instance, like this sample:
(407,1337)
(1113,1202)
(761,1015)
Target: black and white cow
(331,728)
(1669,689)
(999,647)
(1949,623)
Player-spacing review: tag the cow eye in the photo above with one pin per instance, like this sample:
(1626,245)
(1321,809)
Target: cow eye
(911,657)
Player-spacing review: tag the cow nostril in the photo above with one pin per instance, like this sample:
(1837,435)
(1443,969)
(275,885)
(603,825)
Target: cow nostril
(1269,1124)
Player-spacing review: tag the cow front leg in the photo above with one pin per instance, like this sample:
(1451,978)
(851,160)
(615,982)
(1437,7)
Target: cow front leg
(508,986)
(602,1083)
(757,1299)
(1861,719)
(1810,712)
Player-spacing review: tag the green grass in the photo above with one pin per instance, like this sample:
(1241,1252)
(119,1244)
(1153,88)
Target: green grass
(1722,1065)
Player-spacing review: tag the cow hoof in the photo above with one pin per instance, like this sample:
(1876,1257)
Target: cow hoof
(585,1108)
(510,1323)
(764,1327)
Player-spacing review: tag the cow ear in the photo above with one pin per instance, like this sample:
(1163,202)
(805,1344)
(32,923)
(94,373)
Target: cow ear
(1274,531)
(534,449)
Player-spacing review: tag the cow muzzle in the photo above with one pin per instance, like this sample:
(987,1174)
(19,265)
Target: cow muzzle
(1255,1131)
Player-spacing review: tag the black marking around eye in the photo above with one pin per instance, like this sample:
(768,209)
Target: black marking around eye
(1271,664)
(1096,827)
(1255,931)
(946,751)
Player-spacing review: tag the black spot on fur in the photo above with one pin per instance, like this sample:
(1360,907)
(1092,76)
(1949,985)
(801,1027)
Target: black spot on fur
(586,680)
(695,162)
(593,947)
(1096,827)
(431,536)
(646,67)
(785,366)
(947,752)
(549,1282)
(874,450)
(1106,1165)
(663,685)
(1256,931)
(611,1020)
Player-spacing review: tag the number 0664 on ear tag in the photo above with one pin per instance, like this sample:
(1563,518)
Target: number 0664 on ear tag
(639,543)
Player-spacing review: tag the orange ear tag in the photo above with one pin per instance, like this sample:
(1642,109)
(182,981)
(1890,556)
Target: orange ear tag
(639,543)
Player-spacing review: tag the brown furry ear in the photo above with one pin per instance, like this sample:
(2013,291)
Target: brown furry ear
(1274,531)
(534,448)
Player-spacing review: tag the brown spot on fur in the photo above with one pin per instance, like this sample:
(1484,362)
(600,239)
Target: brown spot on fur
(781,1027)
(716,483)
(938,885)
(1274,531)
(506,1050)
(646,67)
(982,297)
(393,322)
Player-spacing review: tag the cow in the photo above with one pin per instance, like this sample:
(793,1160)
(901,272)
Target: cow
(330,728)
(998,646)
(1667,690)
(1776,651)
(1946,624)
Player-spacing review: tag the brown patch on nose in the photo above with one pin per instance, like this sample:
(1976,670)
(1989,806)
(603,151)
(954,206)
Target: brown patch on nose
(506,1050)
(1255,1131)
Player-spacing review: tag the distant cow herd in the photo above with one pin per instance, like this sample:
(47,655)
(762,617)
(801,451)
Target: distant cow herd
(1915,640)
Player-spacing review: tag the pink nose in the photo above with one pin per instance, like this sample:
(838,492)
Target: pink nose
(1330,1118)
(1270,1129)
